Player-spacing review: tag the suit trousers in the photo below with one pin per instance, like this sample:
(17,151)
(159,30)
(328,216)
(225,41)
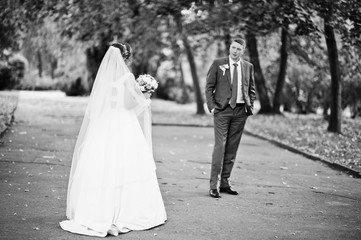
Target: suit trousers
(228,128)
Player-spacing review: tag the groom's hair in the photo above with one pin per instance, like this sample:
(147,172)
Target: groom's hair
(240,41)
(125,50)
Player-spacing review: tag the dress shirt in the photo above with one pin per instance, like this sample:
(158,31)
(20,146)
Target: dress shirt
(240,98)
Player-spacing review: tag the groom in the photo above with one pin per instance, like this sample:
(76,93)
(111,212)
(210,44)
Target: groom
(230,93)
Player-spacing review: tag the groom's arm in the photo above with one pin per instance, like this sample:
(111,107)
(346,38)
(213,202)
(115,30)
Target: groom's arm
(211,85)
(252,87)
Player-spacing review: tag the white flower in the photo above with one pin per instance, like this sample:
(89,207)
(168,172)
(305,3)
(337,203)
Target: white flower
(147,83)
(224,67)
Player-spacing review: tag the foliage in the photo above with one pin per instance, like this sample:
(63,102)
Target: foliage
(307,76)
(75,88)
(351,96)
(12,71)
(72,71)
(44,47)
(66,31)
(31,35)
(8,27)
(170,89)
(17,17)
(307,133)
(7,80)
(345,17)
(96,24)
(8,104)
(351,75)
(32,81)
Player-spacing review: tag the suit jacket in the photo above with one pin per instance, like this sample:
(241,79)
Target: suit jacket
(219,87)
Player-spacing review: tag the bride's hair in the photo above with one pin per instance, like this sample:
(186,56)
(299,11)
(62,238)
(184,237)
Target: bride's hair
(125,50)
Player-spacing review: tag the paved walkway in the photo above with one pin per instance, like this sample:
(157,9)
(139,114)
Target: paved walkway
(282,195)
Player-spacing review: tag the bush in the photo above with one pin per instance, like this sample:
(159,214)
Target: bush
(7,80)
(171,90)
(33,82)
(12,71)
(8,104)
(351,96)
(75,88)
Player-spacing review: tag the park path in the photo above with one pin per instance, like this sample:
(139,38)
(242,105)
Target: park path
(282,195)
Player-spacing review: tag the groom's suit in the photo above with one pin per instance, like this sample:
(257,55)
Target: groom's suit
(228,122)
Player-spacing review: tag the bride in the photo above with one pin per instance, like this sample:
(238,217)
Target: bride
(113,186)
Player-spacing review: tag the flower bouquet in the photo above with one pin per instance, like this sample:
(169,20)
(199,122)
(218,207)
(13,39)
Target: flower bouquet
(147,83)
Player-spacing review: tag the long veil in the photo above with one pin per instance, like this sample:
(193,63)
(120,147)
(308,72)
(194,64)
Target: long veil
(114,88)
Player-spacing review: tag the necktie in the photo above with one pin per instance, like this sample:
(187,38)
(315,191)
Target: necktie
(233,101)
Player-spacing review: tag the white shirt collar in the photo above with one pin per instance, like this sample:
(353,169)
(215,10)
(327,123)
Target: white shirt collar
(231,62)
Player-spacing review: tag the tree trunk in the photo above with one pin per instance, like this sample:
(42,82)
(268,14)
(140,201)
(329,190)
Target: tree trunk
(227,39)
(197,89)
(185,97)
(309,107)
(189,52)
(53,66)
(334,124)
(325,106)
(40,63)
(278,97)
(258,75)
(94,56)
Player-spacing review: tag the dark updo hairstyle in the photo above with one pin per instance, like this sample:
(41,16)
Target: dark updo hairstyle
(125,50)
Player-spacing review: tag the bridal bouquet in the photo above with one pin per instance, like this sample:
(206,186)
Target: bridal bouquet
(147,83)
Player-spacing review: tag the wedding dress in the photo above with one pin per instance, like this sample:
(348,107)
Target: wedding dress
(113,186)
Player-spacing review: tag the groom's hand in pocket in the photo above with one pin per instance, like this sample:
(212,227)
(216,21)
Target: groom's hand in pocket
(249,110)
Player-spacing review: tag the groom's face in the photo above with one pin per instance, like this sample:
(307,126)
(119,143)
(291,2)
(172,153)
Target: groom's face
(236,50)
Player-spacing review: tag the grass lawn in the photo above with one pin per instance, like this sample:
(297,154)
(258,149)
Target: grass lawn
(309,134)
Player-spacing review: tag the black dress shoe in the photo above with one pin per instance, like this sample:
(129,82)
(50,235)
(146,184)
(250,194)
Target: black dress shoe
(228,190)
(214,193)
